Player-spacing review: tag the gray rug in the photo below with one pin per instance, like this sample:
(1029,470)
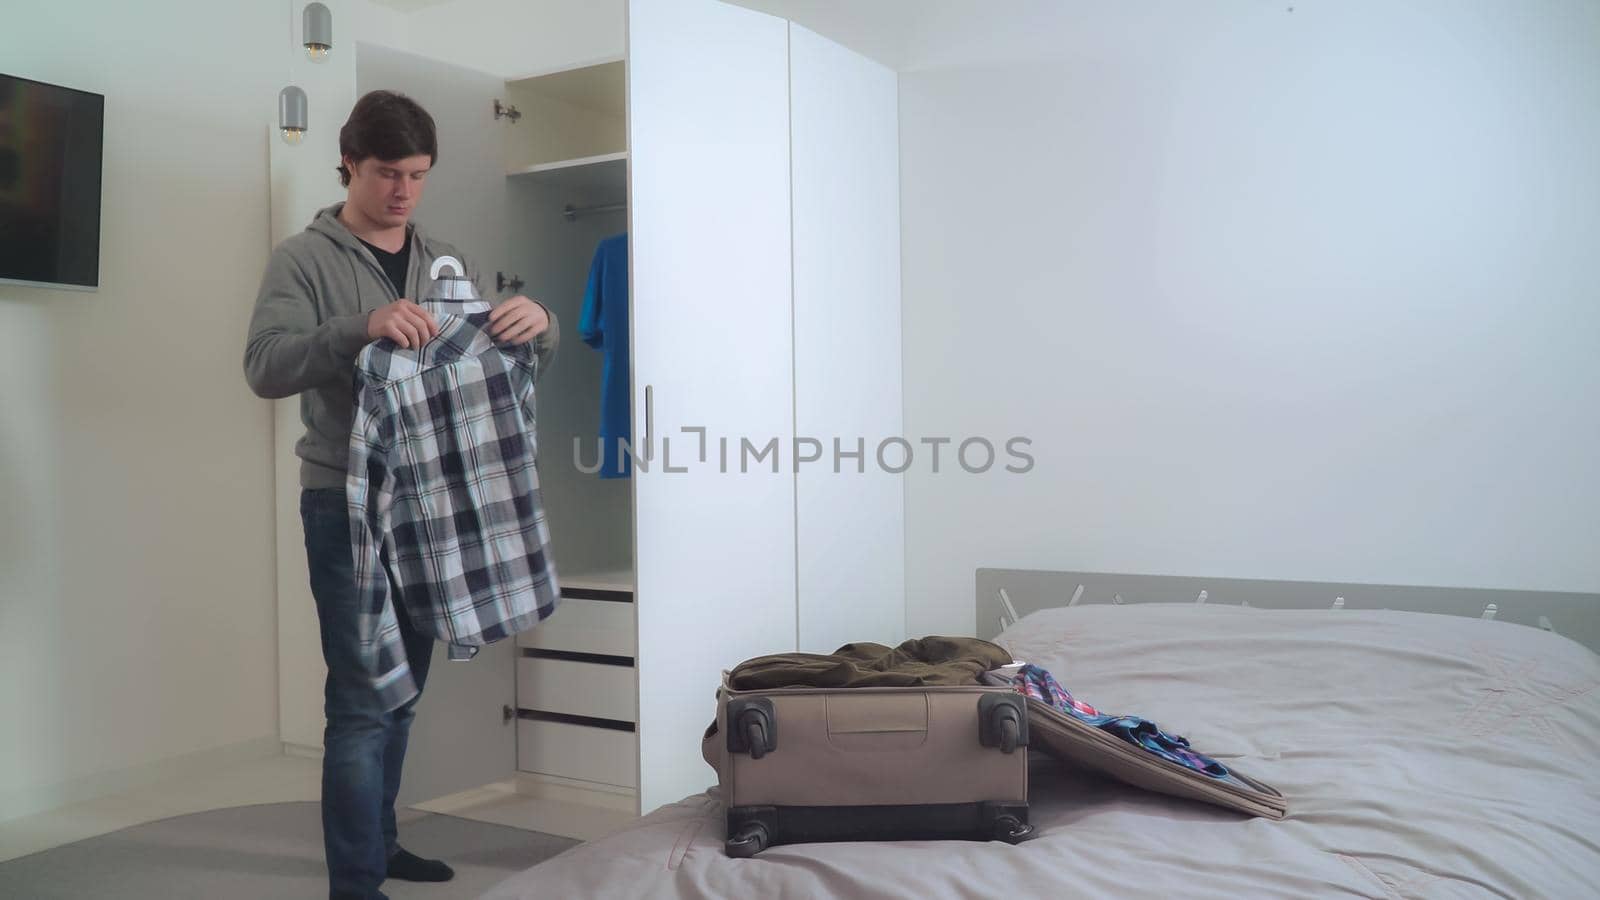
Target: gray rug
(271,852)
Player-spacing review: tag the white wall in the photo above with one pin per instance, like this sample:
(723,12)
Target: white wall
(136,468)
(1299,295)
(136,581)
(513,38)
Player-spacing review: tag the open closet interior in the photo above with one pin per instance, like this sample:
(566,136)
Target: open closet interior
(565,140)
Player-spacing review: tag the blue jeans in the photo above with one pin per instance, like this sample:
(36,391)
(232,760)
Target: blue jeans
(364,747)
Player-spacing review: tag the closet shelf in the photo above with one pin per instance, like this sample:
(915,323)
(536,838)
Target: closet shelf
(564,164)
(606,580)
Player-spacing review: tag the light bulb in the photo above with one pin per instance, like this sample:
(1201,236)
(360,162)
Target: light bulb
(316,30)
(293,114)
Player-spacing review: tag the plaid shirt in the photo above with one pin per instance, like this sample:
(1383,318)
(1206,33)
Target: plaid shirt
(443,491)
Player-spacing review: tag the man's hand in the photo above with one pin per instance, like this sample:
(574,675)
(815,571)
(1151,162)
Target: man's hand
(518,321)
(403,322)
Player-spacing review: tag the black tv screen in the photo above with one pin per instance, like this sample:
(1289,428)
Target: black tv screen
(50,148)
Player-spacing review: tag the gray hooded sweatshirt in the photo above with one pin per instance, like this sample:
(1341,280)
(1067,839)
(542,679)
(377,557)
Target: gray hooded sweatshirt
(310,322)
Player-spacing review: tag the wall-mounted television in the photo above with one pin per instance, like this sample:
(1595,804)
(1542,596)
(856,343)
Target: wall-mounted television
(51,142)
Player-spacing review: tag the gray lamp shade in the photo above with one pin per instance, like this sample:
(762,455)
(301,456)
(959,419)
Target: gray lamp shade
(292,114)
(316,31)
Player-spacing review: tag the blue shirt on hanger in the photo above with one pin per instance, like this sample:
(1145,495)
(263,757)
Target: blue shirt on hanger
(603,325)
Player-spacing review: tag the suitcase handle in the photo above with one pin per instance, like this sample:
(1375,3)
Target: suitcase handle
(1002,721)
(752,727)
(755,734)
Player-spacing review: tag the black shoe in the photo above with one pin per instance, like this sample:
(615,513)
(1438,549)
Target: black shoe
(408,866)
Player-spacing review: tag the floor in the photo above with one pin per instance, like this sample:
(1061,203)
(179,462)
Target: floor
(286,779)
(263,852)
(503,804)
(273,780)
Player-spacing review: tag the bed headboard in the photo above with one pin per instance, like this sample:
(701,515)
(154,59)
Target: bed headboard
(1006,594)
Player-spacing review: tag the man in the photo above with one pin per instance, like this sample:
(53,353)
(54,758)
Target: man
(344,282)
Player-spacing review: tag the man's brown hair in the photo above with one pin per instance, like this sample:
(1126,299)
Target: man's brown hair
(386,125)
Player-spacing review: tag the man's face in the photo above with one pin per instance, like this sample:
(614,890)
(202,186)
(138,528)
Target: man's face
(387,191)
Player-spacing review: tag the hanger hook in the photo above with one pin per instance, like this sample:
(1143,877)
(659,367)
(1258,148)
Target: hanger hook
(441,262)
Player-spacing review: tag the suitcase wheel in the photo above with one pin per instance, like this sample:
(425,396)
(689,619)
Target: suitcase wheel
(1011,829)
(750,839)
(1008,735)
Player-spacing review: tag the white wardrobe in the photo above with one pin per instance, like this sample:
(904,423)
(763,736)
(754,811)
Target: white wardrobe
(754,166)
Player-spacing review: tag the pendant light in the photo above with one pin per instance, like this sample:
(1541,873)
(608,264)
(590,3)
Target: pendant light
(292,114)
(316,31)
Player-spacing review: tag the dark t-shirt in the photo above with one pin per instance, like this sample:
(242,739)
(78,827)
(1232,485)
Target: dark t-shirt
(393,264)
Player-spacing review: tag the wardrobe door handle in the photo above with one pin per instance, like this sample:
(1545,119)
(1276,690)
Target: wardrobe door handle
(649,419)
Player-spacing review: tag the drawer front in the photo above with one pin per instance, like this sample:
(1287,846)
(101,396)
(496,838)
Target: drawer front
(578,751)
(585,626)
(595,690)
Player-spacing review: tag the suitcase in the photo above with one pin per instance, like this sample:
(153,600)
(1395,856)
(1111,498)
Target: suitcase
(803,764)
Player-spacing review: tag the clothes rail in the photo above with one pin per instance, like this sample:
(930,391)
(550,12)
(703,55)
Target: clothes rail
(571,212)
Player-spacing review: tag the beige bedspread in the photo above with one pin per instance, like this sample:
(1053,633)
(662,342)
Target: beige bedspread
(1423,756)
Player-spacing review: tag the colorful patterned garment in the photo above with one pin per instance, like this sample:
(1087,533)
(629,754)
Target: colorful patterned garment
(1038,684)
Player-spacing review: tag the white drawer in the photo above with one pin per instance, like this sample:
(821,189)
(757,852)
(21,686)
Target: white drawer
(585,626)
(578,751)
(577,688)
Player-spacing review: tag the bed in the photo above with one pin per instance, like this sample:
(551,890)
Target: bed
(1423,754)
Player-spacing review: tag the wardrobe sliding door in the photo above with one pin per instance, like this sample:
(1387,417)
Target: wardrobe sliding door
(712,350)
(846,164)
(461,738)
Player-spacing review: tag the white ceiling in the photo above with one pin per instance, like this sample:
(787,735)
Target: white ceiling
(876,28)
(909,35)
(912,35)
(881,29)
